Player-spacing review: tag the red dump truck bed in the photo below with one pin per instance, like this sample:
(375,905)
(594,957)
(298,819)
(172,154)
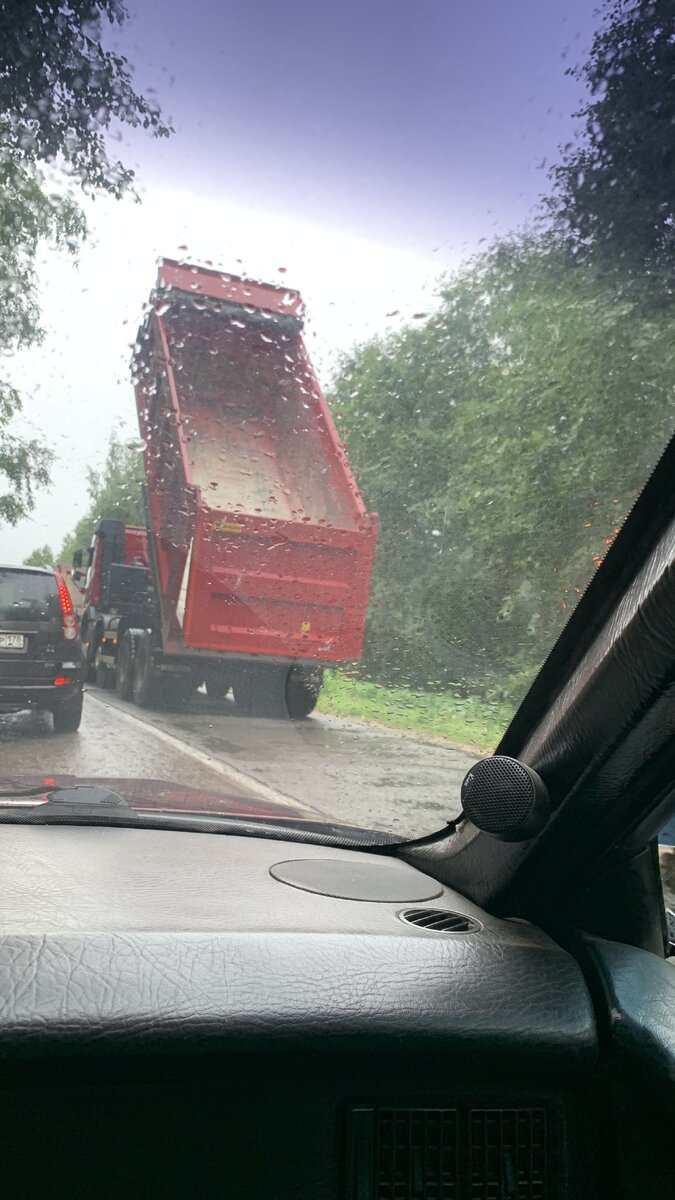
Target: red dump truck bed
(261,542)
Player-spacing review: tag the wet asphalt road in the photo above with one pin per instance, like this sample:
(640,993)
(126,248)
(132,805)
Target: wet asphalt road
(345,771)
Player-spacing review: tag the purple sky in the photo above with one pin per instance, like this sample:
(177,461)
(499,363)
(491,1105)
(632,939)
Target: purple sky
(396,137)
(420,123)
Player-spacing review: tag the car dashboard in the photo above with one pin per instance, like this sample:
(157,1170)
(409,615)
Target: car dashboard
(193,1015)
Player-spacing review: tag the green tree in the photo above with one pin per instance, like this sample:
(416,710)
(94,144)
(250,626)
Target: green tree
(24,462)
(615,189)
(43,556)
(501,443)
(113,492)
(61,91)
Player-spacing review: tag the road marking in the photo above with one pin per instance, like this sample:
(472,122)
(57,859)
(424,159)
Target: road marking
(235,776)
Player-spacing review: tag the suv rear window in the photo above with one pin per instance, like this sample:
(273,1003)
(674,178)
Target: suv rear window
(27,596)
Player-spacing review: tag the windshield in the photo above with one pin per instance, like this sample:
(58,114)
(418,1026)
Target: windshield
(336,348)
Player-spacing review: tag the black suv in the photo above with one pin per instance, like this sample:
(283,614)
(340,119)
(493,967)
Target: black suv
(40,649)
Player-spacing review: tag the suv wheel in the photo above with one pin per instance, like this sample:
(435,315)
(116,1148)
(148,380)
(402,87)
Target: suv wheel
(68,714)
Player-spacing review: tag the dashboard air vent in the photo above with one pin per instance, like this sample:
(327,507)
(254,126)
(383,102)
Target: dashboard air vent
(439,920)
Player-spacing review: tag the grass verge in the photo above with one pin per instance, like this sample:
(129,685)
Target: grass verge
(469,722)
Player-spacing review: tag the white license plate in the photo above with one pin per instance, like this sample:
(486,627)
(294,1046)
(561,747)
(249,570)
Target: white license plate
(12,641)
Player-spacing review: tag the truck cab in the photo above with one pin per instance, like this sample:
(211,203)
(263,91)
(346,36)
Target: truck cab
(115,592)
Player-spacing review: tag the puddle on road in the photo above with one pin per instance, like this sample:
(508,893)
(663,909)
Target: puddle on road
(218,745)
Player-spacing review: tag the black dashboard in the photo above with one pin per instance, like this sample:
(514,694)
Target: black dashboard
(177,1021)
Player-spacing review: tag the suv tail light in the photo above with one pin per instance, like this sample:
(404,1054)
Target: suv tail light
(70,629)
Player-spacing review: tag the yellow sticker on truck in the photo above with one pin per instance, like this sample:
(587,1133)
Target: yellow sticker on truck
(227,527)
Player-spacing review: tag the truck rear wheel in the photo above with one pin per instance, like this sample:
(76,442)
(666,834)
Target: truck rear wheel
(303,688)
(281,693)
(90,637)
(103,676)
(124,667)
(145,676)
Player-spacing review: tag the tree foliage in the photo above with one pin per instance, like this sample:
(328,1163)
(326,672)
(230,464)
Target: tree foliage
(113,492)
(615,189)
(504,441)
(60,92)
(501,443)
(24,462)
(42,556)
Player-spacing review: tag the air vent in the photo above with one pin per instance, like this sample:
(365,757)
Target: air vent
(440,920)
(508,1154)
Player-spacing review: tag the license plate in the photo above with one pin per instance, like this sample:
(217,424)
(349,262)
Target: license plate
(12,641)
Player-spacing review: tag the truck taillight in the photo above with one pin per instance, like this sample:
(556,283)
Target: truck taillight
(69,618)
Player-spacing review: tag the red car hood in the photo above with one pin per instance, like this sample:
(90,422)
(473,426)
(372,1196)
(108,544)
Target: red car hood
(161,795)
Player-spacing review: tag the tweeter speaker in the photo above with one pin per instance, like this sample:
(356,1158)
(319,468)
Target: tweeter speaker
(503,797)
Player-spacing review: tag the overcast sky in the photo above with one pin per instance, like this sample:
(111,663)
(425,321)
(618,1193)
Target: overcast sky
(365,147)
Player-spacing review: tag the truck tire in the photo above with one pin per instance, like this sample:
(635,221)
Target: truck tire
(68,714)
(145,675)
(303,688)
(89,636)
(103,676)
(124,668)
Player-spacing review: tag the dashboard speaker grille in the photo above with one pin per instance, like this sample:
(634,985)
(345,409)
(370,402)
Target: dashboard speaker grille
(508,1154)
(447,1154)
(413,1155)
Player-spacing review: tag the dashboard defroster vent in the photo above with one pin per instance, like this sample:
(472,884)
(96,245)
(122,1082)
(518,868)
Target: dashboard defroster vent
(439,920)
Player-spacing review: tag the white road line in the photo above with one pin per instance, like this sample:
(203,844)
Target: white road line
(232,774)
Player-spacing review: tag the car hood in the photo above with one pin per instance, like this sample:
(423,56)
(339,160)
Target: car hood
(161,795)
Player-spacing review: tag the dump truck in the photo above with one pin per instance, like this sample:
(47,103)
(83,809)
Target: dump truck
(251,572)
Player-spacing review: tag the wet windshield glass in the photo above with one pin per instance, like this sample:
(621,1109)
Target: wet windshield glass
(336,347)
